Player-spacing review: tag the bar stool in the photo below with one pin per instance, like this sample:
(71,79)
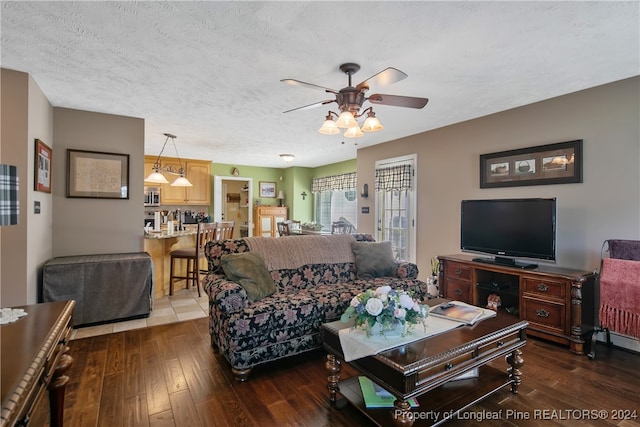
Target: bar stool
(206,233)
(224,230)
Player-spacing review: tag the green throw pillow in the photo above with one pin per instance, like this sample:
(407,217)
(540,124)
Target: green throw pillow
(248,270)
(374,259)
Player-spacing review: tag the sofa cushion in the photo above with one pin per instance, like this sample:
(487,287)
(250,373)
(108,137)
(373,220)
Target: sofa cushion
(248,270)
(374,259)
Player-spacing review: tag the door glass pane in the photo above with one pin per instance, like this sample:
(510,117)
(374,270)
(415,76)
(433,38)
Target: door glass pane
(394,220)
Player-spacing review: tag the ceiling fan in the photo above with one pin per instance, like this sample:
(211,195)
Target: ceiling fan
(350,101)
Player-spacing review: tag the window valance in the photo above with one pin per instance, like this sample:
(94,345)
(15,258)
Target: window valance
(393,178)
(342,182)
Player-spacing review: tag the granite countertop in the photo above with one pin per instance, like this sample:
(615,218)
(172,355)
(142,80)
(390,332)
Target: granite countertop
(189,230)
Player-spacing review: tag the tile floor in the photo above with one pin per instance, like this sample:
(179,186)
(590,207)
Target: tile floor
(183,305)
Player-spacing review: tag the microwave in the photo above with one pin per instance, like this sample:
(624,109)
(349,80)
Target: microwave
(151,196)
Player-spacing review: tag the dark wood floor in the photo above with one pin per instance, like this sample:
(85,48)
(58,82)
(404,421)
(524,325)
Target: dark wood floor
(168,376)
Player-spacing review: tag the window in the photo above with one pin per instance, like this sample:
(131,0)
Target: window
(335,199)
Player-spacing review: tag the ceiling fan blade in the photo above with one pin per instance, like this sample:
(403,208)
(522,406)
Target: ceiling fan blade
(398,101)
(314,105)
(294,82)
(384,78)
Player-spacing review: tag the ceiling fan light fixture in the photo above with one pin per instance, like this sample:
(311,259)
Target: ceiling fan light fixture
(350,101)
(329,127)
(372,124)
(353,132)
(346,120)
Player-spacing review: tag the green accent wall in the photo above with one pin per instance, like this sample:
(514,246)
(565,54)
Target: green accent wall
(300,208)
(258,174)
(293,181)
(335,168)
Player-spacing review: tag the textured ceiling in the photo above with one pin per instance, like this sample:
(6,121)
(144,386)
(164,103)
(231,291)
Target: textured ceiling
(210,72)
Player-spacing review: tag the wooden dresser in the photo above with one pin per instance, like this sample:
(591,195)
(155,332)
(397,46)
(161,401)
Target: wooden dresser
(557,302)
(34,360)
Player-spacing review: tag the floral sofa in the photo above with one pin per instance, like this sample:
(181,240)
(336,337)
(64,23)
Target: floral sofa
(315,276)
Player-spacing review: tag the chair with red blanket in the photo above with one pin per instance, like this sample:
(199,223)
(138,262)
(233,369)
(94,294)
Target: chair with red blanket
(619,291)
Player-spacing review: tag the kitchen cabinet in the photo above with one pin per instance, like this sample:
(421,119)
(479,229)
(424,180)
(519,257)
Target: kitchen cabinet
(266,219)
(198,172)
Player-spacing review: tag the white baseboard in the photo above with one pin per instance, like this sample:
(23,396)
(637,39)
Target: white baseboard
(622,341)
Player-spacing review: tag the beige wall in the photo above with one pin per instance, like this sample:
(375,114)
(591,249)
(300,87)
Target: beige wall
(82,226)
(606,205)
(97,226)
(39,226)
(26,115)
(14,151)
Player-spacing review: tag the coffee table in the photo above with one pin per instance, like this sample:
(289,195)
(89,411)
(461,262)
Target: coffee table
(426,367)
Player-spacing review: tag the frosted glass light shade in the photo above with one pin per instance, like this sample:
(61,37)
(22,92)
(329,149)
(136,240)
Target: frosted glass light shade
(156,177)
(353,132)
(346,120)
(329,127)
(181,182)
(372,124)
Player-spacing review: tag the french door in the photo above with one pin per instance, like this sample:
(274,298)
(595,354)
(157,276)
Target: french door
(396,206)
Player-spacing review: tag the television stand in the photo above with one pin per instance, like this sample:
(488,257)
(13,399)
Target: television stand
(507,262)
(557,302)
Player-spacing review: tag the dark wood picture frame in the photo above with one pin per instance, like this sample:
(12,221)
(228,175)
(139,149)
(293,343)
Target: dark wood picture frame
(267,189)
(559,163)
(42,167)
(97,175)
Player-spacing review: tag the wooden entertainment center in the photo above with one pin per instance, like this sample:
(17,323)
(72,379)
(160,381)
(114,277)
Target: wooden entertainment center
(557,302)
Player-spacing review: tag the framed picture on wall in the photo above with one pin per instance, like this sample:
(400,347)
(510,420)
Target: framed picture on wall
(559,163)
(42,179)
(267,189)
(97,175)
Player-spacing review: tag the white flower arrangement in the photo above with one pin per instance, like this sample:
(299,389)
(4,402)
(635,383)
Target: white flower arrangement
(386,307)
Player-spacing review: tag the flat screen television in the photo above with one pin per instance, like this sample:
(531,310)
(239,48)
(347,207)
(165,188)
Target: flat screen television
(509,229)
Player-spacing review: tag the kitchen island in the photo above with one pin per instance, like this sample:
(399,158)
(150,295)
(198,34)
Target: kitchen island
(159,246)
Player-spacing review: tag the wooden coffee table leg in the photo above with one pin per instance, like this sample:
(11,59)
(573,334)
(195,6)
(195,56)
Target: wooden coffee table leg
(401,414)
(516,361)
(333,367)
(57,388)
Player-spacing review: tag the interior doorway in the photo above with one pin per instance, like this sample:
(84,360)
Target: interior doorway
(232,201)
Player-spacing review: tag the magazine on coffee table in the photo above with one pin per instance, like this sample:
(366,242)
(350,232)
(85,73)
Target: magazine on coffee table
(376,397)
(461,312)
